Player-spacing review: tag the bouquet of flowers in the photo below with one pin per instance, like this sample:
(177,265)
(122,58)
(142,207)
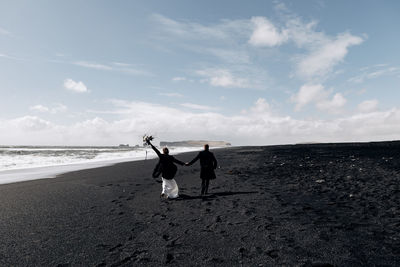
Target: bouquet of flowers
(147,139)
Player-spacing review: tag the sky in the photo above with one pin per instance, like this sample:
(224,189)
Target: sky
(246,72)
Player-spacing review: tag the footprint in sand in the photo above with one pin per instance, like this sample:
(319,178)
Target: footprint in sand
(169,258)
(115,247)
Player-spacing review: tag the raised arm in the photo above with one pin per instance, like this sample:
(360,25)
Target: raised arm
(154,148)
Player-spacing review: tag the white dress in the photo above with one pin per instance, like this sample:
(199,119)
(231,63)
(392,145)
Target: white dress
(170,188)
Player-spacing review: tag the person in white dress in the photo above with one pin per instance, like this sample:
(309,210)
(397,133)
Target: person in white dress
(168,169)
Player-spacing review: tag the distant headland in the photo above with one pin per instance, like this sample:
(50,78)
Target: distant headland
(194,143)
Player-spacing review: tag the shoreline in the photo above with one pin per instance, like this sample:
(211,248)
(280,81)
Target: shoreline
(52,171)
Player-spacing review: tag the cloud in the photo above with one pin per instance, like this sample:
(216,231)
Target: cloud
(78,87)
(323,59)
(368,106)
(258,126)
(39,108)
(171,94)
(266,34)
(316,93)
(30,123)
(261,106)
(333,105)
(223,78)
(9,57)
(225,40)
(325,51)
(93,65)
(374,72)
(316,56)
(224,30)
(56,108)
(114,66)
(198,107)
(122,64)
(178,79)
(236,55)
(309,93)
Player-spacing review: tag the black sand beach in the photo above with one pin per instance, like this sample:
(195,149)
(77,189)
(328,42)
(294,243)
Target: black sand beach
(303,205)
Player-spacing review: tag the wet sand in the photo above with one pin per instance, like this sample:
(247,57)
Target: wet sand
(303,205)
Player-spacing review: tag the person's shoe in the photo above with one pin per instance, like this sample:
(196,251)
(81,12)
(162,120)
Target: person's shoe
(164,196)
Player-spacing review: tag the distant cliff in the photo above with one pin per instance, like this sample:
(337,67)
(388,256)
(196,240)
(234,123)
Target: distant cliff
(195,143)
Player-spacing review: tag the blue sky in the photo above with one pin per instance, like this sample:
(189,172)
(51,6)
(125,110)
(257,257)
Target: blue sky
(264,72)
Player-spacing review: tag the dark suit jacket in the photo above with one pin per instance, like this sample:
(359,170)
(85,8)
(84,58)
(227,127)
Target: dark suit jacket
(166,164)
(208,164)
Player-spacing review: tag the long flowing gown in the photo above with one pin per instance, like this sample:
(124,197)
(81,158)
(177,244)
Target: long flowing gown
(170,188)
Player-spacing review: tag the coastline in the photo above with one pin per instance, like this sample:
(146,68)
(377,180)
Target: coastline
(51,171)
(299,205)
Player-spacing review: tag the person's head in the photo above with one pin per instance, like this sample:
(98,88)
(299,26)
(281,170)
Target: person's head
(206,147)
(165,150)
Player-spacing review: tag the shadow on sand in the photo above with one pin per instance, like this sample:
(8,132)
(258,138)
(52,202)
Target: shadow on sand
(213,195)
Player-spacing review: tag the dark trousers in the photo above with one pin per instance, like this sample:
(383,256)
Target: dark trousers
(204,186)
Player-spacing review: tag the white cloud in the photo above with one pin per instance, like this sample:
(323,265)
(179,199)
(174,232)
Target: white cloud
(78,87)
(114,66)
(225,40)
(374,72)
(56,108)
(171,94)
(236,55)
(133,71)
(325,51)
(305,35)
(333,105)
(30,123)
(368,106)
(309,93)
(266,34)
(319,52)
(122,64)
(316,93)
(322,60)
(259,126)
(91,65)
(223,78)
(39,108)
(198,107)
(9,57)
(224,30)
(261,106)
(178,79)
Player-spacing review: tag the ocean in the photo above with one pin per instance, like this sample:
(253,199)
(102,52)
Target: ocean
(21,163)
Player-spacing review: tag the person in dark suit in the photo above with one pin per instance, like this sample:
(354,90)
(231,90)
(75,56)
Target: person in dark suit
(167,169)
(208,164)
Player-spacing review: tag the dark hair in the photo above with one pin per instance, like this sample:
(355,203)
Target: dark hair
(206,147)
(165,150)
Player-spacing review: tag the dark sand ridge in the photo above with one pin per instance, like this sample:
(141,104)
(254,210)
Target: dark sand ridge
(298,205)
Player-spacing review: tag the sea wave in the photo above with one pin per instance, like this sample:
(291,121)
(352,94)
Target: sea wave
(12,158)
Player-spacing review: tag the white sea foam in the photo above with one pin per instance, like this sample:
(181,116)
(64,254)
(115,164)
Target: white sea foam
(30,163)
